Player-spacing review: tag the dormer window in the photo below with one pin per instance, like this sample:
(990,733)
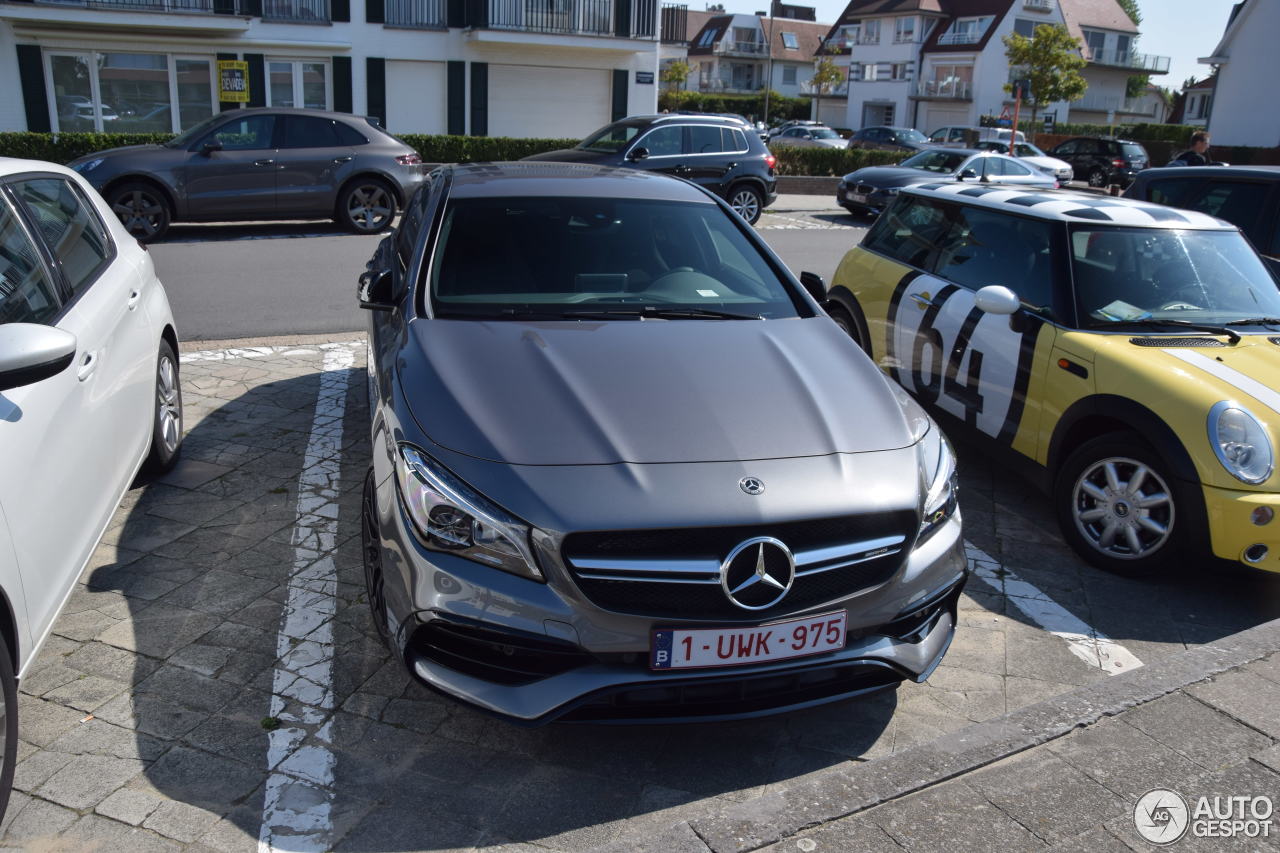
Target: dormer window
(966,31)
(790,41)
(708,38)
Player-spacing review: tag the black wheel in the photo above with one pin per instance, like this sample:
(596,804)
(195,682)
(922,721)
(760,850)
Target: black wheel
(1121,509)
(371,550)
(1097,178)
(747,202)
(143,209)
(366,206)
(9,720)
(166,424)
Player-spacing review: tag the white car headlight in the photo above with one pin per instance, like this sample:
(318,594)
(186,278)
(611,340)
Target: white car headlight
(1241,443)
(89,165)
(451,517)
(938,478)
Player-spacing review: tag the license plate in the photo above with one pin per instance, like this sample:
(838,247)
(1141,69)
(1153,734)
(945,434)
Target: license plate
(704,648)
(858,197)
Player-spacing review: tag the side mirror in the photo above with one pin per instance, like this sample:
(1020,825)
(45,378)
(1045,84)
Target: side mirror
(814,286)
(210,146)
(996,299)
(967,173)
(638,153)
(374,292)
(31,352)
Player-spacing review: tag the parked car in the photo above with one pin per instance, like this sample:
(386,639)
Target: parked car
(89,391)
(890,139)
(795,122)
(870,189)
(1122,351)
(1101,160)
(1032,156)
(713,152)
(809,137)
(967,136)
(663,546)
(1246,196)
(259,164)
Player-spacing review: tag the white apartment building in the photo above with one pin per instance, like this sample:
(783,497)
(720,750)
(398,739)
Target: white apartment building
(1241,111)
(550,68)
(741,54)
(929,63)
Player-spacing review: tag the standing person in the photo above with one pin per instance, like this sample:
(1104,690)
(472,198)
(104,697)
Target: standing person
(1197,154)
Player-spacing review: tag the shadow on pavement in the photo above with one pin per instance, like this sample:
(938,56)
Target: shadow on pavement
(201,232)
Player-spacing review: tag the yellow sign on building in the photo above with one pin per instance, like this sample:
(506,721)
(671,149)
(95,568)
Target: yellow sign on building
(233,81)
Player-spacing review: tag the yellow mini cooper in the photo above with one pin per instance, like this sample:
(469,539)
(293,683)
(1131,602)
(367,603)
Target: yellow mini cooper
(1130,351)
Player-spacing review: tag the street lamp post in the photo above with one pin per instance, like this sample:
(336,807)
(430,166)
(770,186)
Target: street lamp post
(768,79)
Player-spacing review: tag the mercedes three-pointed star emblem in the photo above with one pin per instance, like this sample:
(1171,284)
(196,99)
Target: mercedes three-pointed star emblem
(758,573)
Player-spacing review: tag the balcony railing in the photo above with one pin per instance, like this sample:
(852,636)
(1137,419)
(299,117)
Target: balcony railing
(567,17)
(296,11)
(968,37)
(960,90)
(415,13)
(746,48)
(740,87)
(840,90)
(230,7)
(1129,59)
(1038,5)
(1103,104)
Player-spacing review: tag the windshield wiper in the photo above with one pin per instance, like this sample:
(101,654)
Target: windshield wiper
(662,314)
(1255,321)
(1185,324)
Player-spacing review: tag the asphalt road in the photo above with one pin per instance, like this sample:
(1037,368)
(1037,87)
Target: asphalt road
(259,280)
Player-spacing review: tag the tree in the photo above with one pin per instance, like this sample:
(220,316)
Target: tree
(675,75)
(1051,61)
(826,76)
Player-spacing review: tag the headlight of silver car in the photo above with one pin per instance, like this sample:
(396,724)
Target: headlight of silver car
(89,165)
(1241,443)
(938,476)
(452,517)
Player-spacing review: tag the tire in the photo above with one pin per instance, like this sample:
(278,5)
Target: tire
(166,422)
(9,692)
(1135,529)
(1097,178)
(747,202)
(371,553)
(366,206)
(142,208)
(845,320)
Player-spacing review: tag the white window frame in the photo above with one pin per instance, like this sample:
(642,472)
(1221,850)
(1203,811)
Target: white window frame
(173,85)
(904,29)
(795,41)
(90,56)
(296,63)
(870,31)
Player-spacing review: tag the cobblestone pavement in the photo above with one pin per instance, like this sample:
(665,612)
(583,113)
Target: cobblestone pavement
(157,717)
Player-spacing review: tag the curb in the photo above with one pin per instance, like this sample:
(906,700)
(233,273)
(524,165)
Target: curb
(839,792)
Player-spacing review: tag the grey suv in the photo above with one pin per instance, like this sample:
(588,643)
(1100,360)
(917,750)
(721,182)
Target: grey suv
(625,468)
(259,164)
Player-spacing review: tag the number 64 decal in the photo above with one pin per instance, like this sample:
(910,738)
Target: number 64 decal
(953,355)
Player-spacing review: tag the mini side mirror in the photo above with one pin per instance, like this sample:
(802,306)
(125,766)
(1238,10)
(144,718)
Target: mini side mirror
(30,352)
(996,299)
(374,292)
(210,146)
(638,153)
(814,286)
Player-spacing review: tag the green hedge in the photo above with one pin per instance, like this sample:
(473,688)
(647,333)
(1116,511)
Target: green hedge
(831,161)
(781,108)
(1179,134)
(479,149)
(65,147)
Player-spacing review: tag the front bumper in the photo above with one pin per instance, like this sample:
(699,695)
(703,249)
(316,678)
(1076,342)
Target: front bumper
(872,203)
(1231,528)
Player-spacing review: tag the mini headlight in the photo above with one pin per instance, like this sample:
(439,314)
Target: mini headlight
(450,516)
(1241,443)
(89,165)
(938,477)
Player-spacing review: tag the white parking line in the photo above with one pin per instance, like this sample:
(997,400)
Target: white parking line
(296,813)
(1085,642)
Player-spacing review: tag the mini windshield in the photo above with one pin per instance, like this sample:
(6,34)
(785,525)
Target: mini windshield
(935,161)
(611,139)
(599,259)
(1125,275)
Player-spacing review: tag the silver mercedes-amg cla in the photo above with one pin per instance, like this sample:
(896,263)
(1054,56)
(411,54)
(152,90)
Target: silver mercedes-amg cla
(625,468)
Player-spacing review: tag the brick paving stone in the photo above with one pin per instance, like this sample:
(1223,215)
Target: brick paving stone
(99,737)
(1250,699)
(146,532)
(1269,758)
(159,630)
(110,662)
(129,805)
(150,714)
(180,821)
(1096,840)
(201,659)
(87,692)
(192,473)
(40,722)
(1122,758)
(94,833)
(951,816)
(203,780)
(50,676)
(36,823)
(88,779)
(188,688)
(83,626)
(35,770)
(1206,736)
(851,835)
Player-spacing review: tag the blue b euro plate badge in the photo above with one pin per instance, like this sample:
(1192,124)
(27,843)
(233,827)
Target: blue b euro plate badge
(660,653)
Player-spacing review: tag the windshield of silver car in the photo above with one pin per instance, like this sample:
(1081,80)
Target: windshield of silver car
(1125,275)
(935,161)
(599,258)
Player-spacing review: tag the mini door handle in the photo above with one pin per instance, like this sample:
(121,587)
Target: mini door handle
(342,159)
(134,296)
(922,300)
(263,162)
(88,365)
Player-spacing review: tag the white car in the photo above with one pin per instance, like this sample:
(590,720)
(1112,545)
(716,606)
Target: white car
(808,137)
(1034,157)
(88,393)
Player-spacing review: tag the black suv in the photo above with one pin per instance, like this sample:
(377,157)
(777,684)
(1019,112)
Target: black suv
(1103,160)
(717,153)
(1246,196)
(890,139)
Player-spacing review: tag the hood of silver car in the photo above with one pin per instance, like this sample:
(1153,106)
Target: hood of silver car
(646,391)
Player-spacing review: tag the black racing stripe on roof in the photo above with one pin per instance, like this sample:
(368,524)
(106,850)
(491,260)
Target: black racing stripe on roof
(1163,214)
(1087,213)
(978,191)
(1030,200)
(931,186)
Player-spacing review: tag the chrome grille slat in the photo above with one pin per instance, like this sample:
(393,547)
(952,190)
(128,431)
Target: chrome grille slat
(852,549)
(644,566)
(844,564)
(641,579)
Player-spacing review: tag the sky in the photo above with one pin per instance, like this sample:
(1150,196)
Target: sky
(1183,30)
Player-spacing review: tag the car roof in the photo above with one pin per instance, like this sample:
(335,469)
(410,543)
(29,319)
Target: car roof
(1272,172)
(687,118)
(297,111)
(1070,206)
(16,166)
(567,180)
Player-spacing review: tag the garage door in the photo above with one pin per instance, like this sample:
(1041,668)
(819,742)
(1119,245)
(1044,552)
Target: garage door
(936,117)
(416,95)
(528,100)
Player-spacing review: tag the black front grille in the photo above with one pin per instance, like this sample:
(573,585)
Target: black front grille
(1177,342)
(866,189)
(708,601)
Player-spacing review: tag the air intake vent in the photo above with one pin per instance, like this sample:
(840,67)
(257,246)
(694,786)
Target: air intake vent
(1178,342)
